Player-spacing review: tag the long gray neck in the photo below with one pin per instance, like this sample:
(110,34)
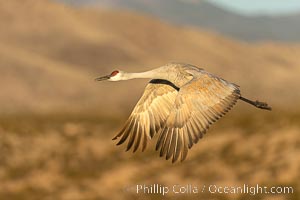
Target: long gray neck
(152,74)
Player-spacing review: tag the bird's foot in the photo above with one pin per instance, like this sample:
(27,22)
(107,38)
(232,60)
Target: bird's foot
(262,105)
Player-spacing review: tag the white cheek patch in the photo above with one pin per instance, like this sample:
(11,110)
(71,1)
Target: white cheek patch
(116,77)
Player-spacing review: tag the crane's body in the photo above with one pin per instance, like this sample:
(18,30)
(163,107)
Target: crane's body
(179,103)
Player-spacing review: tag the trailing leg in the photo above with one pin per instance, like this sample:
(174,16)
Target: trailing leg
(258,104)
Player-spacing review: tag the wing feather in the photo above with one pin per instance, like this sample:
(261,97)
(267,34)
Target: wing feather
(149,114)
(199,103)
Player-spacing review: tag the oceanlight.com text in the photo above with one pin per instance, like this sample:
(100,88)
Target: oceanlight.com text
(251,190)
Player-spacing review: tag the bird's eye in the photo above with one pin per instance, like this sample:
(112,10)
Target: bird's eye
(114,73)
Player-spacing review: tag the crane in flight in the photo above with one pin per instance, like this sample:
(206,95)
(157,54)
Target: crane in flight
(179,103)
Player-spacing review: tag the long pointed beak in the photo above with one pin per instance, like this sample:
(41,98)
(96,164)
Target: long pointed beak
(103,78)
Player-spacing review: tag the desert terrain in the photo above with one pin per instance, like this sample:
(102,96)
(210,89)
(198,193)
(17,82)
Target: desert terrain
(56,122)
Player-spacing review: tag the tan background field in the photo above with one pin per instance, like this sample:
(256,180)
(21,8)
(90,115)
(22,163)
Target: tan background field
(56,122)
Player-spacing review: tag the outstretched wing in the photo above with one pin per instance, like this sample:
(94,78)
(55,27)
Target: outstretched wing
(198,104)
(149,114)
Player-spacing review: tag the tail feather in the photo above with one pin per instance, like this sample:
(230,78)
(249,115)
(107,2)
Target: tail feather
(258,104)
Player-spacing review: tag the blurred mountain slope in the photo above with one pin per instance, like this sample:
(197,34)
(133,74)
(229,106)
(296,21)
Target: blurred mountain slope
(50,53)
(207,15)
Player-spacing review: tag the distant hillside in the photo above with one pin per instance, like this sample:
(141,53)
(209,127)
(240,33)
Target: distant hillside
(50,54)
(206,15)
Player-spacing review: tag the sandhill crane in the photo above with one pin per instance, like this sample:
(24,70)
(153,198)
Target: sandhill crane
(179,103)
